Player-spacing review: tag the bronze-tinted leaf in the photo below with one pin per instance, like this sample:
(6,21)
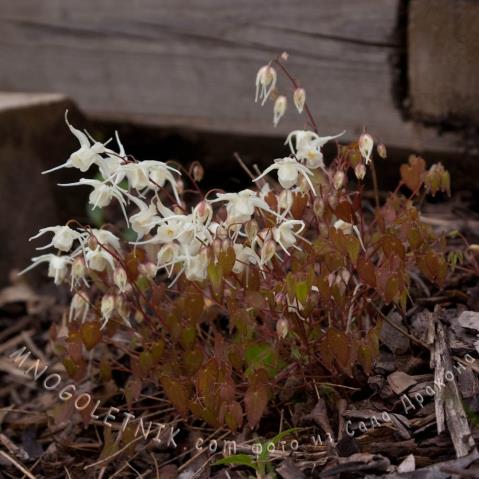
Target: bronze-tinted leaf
(256,400)
(177,393)
(90,334)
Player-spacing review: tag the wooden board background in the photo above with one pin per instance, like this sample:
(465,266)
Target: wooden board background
(193,62)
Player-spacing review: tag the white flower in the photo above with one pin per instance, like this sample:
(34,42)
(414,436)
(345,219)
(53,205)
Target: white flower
(279,109)
(265,83)
(84,157)
(289,170)
(244,256)
(57,266)
(240,206)
(196,267)
(308,146)
(63,237)
(102,193)
(366,144)
(109,166)
(285,234)
(99,259)
(346,228)
(167,256)
(137,175)
(143,221)
(106,238)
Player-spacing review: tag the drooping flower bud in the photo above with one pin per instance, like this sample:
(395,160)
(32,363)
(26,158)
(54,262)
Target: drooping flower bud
(251,229)
(148,269)
(318,207)
(381,149)
(267,251)
(217,247)
(339,180)
(265,83)
(78,269)
(282,328)
(437,179)
(360,171)
(107,307)
(333,201)
(286,199)
(299,99)
(226,244)
(79,306)
(198,172)
(180,186)
(92,243)
(120,279)
(203,211)
(366,144)
(279,109)
(123,309)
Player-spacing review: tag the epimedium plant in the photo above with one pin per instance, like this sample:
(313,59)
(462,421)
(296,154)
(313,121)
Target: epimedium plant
(222,296)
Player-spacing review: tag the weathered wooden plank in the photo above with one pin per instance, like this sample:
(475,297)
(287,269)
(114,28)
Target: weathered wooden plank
(29,199)
(193,62)
(443,60)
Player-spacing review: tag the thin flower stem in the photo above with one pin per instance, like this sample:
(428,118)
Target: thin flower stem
(375,184)
(296,85)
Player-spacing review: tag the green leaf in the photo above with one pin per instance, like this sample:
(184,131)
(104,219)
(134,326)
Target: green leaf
(238,460)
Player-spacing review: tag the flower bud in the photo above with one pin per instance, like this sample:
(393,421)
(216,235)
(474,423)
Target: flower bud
(178,210)
(251,229)
(366,144)
(78,268)
(267,251)
(265,83)
(474,248)
(282,328)
(226,244)
(299,99)
(123,309)
(339,180)
(217,247)
(198,172)
(318,207)
(92,243)
(120,279)
(203,211)
(148,269)
(333,201)
(79,306)
(286,199)
(381,149)
(180,186)
(279,109)
(221,232)
(360,171)
(107,307)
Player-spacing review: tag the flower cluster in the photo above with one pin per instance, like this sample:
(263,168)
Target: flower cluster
(258,224)
(299,264)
